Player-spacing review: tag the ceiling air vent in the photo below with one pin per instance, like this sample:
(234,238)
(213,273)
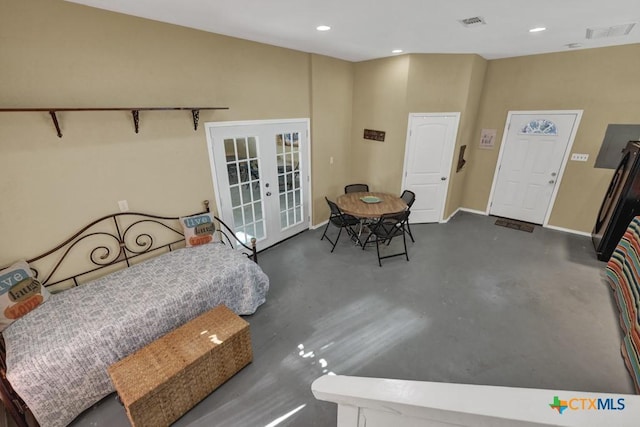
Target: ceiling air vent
(614,31)
(472,22)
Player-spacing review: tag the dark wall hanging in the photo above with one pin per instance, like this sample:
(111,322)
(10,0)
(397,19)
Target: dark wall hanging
(461,160)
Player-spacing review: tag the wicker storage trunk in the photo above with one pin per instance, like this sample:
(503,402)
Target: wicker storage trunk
(162,381)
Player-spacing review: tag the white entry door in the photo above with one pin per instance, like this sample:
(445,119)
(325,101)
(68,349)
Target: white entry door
(261,178)
(427,162)
(531,162)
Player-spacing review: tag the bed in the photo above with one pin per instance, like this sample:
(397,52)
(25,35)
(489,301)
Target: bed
(623,275)
(55,357)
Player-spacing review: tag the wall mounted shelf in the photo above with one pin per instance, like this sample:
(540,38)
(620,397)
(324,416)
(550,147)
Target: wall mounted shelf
(135,113)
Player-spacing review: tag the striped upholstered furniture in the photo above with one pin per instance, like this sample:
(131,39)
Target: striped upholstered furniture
(623,274)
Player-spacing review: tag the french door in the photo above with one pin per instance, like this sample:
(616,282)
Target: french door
(260,172)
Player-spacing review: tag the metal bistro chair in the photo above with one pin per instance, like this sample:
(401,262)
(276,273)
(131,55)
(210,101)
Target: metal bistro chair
(341,221)
(356,188)
(385,229)
(409,197)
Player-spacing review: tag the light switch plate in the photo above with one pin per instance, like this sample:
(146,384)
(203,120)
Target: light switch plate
(579,157)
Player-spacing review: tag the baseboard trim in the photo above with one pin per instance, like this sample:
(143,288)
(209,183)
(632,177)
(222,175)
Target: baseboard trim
(473,211)
(322,224)
(477,212)
(568,230)
(450,216)
(551,227)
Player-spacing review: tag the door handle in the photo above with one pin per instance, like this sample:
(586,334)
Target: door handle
(551,181)
(444,178)
(268,193)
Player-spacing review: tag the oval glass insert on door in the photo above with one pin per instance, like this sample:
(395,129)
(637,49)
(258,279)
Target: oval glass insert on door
(243,171)
(289,188)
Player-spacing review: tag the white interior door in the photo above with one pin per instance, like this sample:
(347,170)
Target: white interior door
(427,163)
(532,158)
(261,177)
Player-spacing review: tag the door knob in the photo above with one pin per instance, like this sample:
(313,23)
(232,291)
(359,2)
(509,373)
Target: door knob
(553,174)
(444,178)
(268,193)
(551,181)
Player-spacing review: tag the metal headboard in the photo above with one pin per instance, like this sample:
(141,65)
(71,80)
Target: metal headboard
(118,239)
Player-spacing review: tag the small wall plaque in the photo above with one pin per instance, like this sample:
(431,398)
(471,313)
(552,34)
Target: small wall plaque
(488,138)
(376,135)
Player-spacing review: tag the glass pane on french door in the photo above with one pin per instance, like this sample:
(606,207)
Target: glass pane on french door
(243,172)
(289,188)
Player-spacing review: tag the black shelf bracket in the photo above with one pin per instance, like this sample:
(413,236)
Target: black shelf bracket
(196,117)
(136,119)
(55,123)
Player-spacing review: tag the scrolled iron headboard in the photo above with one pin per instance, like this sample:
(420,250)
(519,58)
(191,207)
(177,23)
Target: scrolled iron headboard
(120,238)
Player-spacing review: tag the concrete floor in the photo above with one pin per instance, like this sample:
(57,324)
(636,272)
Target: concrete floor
(477,304)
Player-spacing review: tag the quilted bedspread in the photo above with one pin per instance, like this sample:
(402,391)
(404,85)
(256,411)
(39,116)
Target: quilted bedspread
(58,354)
(623,274)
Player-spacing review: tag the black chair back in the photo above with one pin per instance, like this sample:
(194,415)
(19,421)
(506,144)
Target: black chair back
(385,229)
(409,197)
(390,225)
(340,220)
(356,188)
(333,207)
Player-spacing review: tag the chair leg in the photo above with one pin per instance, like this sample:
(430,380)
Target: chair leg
(337,238)
(354,235)
(378,251)
(364,244)
(404,240)
(410,233)
(325,231)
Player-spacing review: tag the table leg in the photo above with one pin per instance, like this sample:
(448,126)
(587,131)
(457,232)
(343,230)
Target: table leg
(360,230)
(356,237)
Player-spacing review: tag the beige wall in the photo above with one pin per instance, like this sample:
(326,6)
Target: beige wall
(61,54)
(602,82)
(331,107)
(448,83)
(379,103)
(387,90)
(466,134)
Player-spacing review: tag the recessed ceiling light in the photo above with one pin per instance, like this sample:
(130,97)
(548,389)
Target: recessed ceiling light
(323,28)
(537,29)
(396,51)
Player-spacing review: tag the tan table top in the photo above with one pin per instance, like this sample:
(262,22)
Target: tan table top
(351,204)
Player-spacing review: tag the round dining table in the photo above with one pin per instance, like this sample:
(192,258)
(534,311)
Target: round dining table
(354,205)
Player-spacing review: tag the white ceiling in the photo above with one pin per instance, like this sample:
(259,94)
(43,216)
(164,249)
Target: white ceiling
(367,29)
